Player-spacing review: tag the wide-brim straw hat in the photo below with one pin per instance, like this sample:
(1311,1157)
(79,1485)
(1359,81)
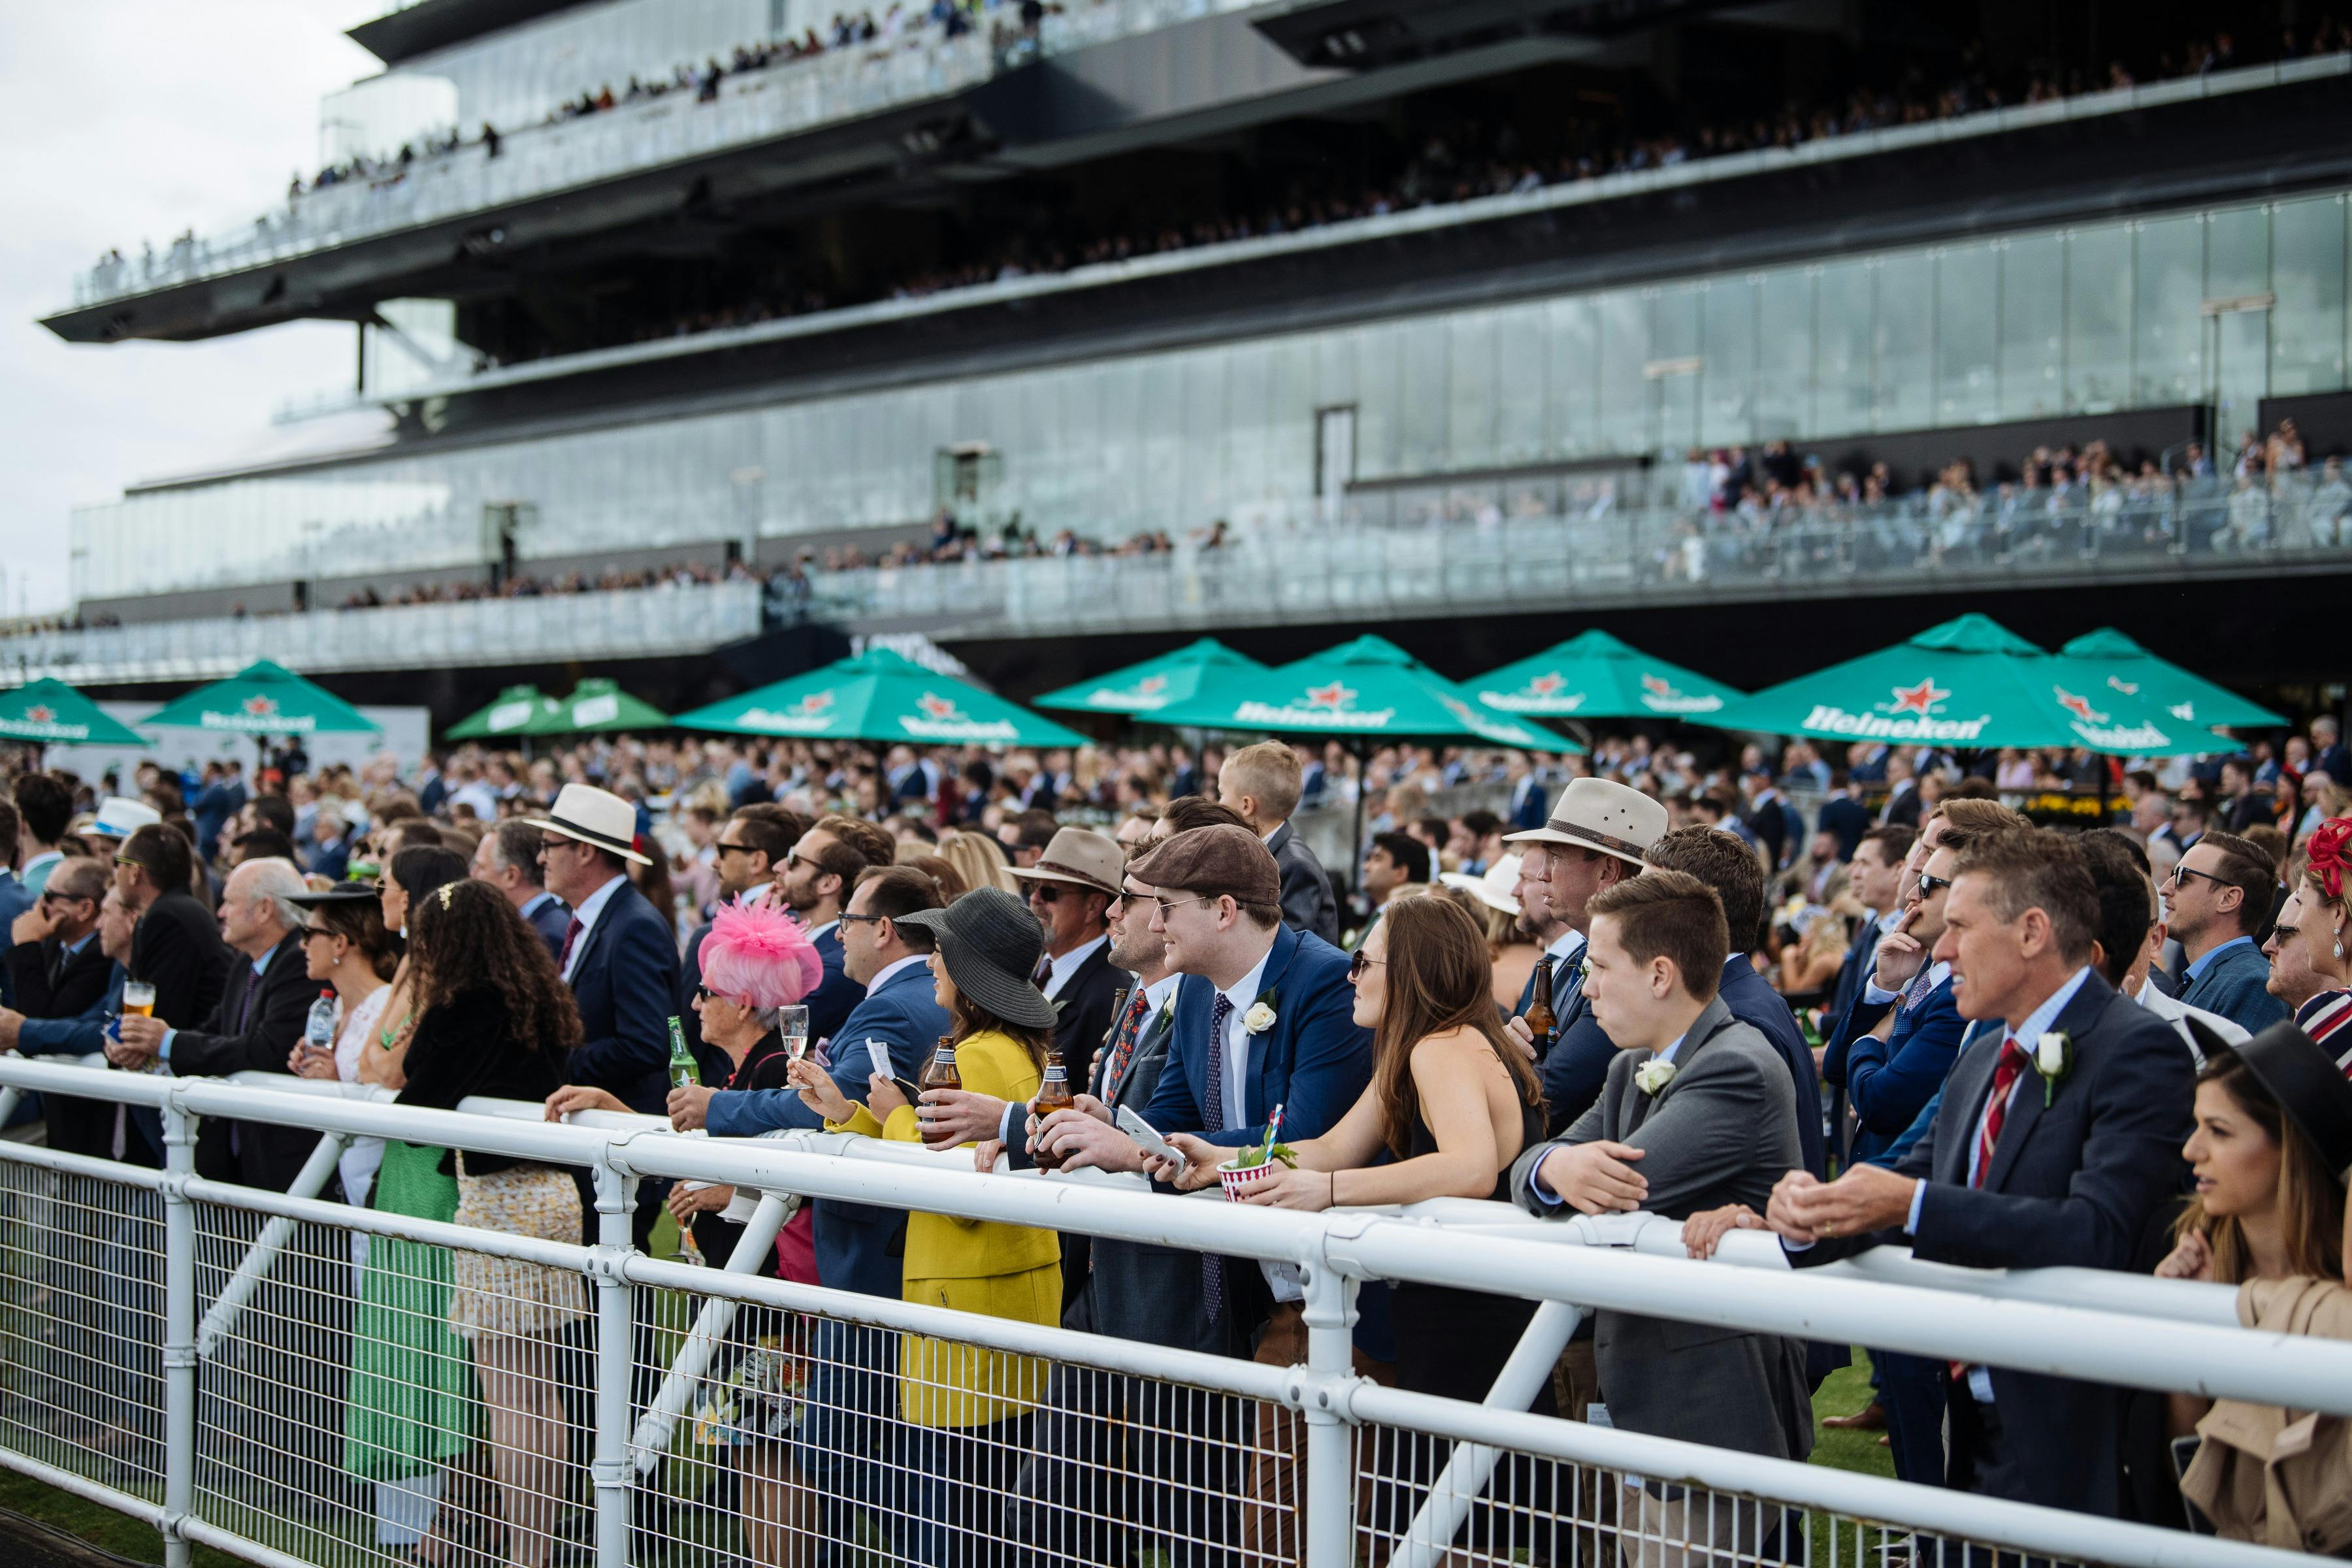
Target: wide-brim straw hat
(597,817)
(990,943)
(1601,814)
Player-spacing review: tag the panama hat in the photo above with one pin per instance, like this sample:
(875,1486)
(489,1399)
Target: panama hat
(1604,815)
(1493,889)
(1081,858)
(597,816)
(990,943)
(120,817)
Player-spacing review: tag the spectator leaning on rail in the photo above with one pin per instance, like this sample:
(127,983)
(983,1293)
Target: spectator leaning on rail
(2053,1143)
(67,985)
(815,879)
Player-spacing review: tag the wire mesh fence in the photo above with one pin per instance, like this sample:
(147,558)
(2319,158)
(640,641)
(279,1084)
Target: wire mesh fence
(81,1325)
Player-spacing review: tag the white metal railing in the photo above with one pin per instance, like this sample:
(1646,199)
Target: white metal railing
(539,161)
(626,625)
(252,1432)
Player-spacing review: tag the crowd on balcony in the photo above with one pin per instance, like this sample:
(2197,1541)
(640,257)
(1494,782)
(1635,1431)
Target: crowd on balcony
(1469,161)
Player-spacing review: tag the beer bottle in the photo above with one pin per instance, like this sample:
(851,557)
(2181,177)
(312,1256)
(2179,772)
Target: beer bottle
(939,1073)
(1540,1023)
(682,1070)
(1053,1095)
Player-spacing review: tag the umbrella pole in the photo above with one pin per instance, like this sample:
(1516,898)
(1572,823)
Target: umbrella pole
(1356,842)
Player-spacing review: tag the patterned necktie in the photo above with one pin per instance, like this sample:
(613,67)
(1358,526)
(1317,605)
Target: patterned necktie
(1213,1117)
(1122,1048)
(570,935)
(2004,1078)
(1916,991)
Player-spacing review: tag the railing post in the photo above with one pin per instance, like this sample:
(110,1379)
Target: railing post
(609,1469)
(1328,1506)
(179,1332)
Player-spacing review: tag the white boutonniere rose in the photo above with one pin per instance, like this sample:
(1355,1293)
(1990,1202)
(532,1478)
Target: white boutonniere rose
(1653,1075)
(1261,1016)
(2054,1058)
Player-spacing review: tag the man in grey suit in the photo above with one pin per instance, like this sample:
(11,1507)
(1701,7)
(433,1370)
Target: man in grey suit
(1261,783)
(1699,1112)
(1071,1498)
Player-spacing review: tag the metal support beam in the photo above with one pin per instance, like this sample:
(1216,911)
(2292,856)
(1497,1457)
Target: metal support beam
(1328,1506)
(234,1295)
(655,1427)
(609,1467)
(179,1334)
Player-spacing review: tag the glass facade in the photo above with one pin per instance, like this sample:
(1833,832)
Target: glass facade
(2222,307)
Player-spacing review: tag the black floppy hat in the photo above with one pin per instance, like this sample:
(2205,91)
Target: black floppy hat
(340,893)
(2309,1087)
(990,944)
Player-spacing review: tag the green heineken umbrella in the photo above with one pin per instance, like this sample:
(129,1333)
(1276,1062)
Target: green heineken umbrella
(264,699)
(49,711)
(1366,687)
(511,712)
(2134,672)
(594,706)
(1968,682)
(879,695)
(1594,676)
(1145,688)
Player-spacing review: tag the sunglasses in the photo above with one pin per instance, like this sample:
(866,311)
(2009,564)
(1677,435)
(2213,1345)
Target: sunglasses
(1047,893)
(1358,962)
(2182,874)
(1167,906)
(847,919)
(309,932)
(723,849)
(1928,885)
(127,860)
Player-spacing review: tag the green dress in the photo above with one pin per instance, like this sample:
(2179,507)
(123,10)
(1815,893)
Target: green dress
(410,1407)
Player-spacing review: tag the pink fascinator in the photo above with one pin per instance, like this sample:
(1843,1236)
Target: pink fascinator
(759,953)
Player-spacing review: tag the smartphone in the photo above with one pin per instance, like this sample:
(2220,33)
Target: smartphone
(1139,1130)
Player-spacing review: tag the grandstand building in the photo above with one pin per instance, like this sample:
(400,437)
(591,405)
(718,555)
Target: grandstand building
(1162,316)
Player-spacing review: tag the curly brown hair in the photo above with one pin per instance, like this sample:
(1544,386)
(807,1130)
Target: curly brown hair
(463,936)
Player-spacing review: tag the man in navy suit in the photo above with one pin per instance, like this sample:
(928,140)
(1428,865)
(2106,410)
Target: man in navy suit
(1594,839)
(859,1247)
(1525,811)
(2220,897)
(1874,875)
(619,955)
(1889,1076)
(815,879)
(508,859)
(2021,1169)
(1844,814)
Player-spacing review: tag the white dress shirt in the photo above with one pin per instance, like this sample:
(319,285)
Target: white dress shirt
(1243,994)
(1069,963)
(590,908)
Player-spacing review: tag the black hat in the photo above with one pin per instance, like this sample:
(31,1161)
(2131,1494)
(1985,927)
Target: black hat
(990,944)
(2309,1087)
(340,893)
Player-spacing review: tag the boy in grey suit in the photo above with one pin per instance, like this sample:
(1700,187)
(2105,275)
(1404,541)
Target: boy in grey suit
(1697,1112)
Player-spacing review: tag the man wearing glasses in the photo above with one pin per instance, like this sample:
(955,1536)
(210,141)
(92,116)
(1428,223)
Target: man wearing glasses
(63,981)
(2221,898)
(815,879)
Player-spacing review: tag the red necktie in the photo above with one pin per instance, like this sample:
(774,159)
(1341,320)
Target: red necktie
(570,934)
(2004,1078)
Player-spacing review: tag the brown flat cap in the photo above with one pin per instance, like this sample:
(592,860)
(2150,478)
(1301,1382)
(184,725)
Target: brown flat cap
(1211,860)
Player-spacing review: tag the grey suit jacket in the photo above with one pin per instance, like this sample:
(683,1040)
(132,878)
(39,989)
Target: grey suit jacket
(1721,1133)
(1308,904)
(1134,1291)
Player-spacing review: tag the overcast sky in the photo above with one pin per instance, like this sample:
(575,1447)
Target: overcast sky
(126,120)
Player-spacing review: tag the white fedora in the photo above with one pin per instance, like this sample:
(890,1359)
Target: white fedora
(597,817)
(120,817)
(1494,890)
(1601,814)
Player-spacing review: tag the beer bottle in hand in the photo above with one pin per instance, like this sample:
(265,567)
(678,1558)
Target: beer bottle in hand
(939,1073)
(1053,1095)
(1542,1024)
(682,1070)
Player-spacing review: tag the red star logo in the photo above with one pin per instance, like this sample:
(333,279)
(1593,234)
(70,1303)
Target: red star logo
(816,702)
(1152,686)
(2080,707)
(2129,689)
(1657,686)
(1921,698)
(935,707)
(1334,696)
(40,714)
(1547,684)
(261,707)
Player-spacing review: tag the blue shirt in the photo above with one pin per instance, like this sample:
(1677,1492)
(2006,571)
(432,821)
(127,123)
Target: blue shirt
(2197,970)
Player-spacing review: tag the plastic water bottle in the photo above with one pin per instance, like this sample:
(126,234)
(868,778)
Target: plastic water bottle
(318,1030)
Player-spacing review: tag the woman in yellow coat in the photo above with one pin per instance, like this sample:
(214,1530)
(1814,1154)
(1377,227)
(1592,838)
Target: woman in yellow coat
(966,1411)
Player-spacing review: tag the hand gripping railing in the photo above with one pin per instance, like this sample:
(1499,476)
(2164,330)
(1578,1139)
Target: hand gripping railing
(2099,1327)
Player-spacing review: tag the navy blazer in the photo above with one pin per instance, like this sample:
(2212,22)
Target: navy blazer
(1753,1001)
(552,919)
(1889,1082)
(1577,1066)
(2236,986)
(858,1246)
(1861,957)
(836,995)
(1313,1060)
(2075,1184)
(624,978)
(1848,819)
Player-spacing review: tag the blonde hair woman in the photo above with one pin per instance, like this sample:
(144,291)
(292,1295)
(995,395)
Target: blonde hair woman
(979,860)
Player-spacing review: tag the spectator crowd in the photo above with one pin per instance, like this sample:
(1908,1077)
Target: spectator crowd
(1824,996)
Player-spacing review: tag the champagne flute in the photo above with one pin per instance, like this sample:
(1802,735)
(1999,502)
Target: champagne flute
(792,1024)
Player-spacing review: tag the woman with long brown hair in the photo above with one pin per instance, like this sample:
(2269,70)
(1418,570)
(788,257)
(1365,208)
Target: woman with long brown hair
(494,1018)
(1451,1103)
